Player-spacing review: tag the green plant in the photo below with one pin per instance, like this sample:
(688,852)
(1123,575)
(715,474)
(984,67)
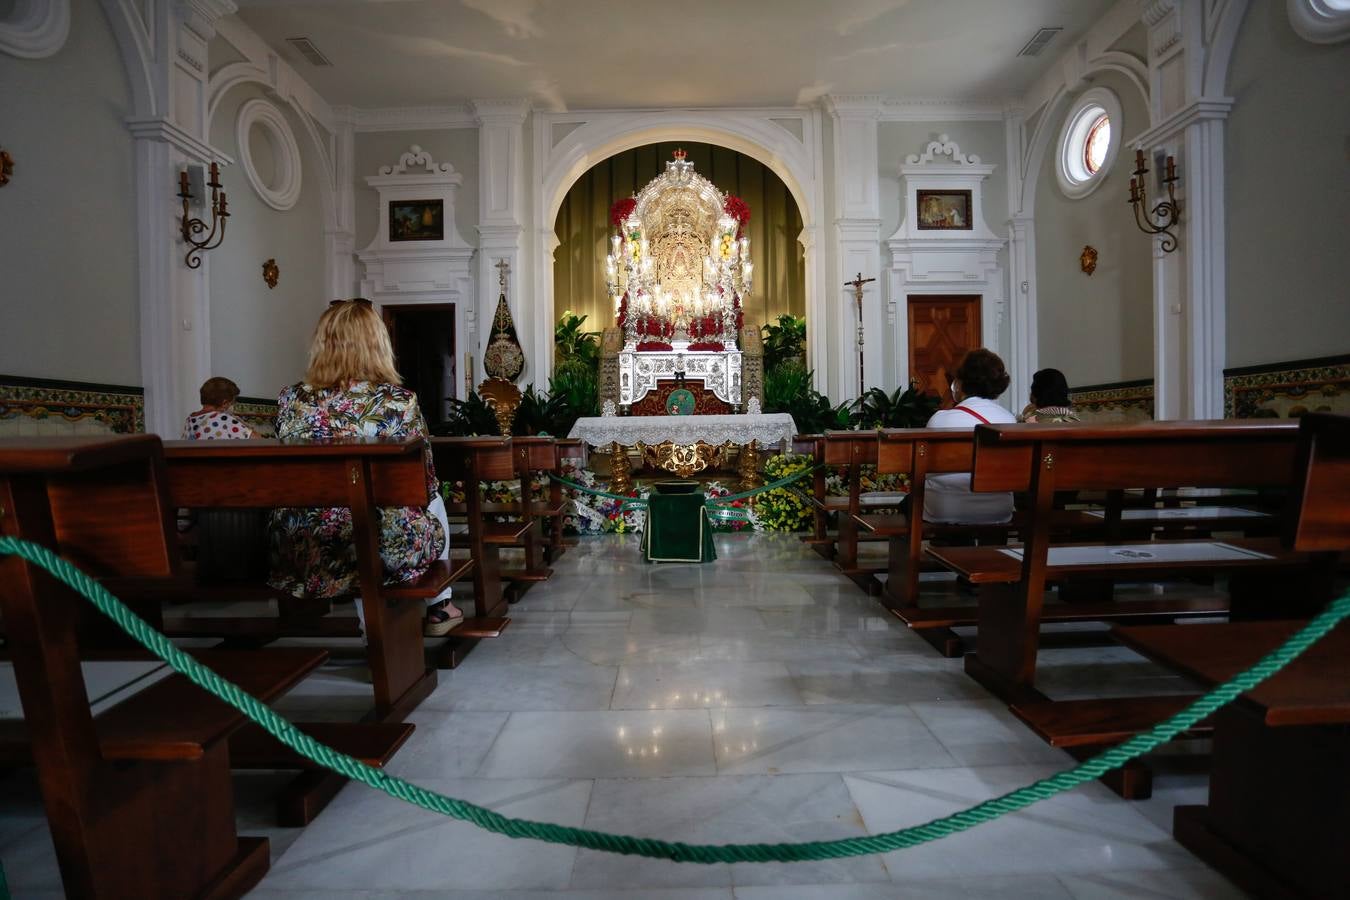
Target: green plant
(542,413)
(902,408)
(469,416)
(784,342)
(788,388)
(572,345)
(578,390)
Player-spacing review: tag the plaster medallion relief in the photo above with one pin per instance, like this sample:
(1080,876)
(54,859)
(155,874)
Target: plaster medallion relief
(281,190)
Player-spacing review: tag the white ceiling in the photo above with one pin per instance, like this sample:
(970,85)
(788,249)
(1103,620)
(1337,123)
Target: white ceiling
(596,54)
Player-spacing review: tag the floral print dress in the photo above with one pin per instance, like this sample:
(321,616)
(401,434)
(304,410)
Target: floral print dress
(313,553)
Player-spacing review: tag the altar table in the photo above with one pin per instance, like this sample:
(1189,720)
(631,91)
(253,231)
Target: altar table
(683,433)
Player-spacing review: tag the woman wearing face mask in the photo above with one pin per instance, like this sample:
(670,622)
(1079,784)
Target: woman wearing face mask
(979,381)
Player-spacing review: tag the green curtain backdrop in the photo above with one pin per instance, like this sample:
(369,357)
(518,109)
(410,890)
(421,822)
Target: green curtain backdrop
(583,228)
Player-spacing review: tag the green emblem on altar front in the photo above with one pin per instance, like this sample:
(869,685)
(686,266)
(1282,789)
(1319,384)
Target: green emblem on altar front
(680,402)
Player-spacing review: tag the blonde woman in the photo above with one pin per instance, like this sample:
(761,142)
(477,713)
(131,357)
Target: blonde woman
(351,390)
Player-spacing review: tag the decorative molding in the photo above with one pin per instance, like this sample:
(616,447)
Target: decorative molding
(943,146)
(162,130)
(1319,21)
(853,106)
(200,16)
(1199,111)
(36,29)
(416,156)
(285,153)
(511,111)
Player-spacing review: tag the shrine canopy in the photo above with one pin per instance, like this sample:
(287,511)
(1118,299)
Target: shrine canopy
(679,264)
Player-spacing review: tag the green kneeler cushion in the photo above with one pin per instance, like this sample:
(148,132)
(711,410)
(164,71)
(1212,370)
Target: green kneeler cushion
(677,528)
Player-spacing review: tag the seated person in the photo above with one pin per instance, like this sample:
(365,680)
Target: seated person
(352,390)
(1050,402)
(948,499)
(215,419)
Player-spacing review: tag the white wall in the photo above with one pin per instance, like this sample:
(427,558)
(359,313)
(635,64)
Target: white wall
(457,146)
(68,217)
(1096,329)
(260,336)
(1288,194)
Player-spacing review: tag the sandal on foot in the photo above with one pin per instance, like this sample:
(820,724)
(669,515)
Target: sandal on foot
(440,621)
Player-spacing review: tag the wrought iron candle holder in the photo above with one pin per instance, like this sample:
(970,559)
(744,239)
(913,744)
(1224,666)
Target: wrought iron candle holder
(191,227)
(1163,217)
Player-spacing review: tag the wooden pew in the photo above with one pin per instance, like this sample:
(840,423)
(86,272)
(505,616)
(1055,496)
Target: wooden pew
(138,798)
(473,460)
(852,450)
(359,475)
(1041,459)
(1278,818)
(918,453)
(571,451)
(531,455)
(819,540)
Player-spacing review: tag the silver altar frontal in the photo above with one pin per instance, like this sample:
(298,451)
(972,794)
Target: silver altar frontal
(719,370)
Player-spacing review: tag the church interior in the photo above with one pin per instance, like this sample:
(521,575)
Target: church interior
(518,449)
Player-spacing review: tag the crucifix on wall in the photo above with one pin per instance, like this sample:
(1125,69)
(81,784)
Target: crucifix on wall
(857,285)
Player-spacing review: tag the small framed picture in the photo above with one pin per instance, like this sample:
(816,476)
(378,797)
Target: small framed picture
(943,210)
(416,220)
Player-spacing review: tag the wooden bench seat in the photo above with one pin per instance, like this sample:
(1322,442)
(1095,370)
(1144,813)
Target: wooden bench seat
(1096,723)
(441,574)
(505,533)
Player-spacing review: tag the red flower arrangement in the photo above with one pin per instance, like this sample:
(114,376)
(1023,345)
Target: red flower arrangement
(739,210)
(622,209)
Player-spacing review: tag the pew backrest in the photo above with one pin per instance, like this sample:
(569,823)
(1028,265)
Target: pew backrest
(269,473)
(1077,457)
(1318,514)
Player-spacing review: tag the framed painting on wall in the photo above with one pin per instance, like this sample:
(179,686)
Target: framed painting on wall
(416,220)
(943,210)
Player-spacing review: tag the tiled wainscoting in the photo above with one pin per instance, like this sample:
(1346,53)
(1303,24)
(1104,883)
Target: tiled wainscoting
(43,407)
(1121,401)
(1287,389)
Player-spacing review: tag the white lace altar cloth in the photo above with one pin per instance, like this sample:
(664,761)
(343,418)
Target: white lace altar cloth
(769,429)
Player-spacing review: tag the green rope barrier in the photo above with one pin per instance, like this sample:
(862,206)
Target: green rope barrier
(488,820)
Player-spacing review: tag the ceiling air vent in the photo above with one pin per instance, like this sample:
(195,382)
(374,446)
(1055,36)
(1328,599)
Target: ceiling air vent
(1038,41)
(310,52)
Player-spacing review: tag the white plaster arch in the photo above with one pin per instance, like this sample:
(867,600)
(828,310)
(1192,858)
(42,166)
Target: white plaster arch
(138,55)
(593,143)
(35,29)
(602,135)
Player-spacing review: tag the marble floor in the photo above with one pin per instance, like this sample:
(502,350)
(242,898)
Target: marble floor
(760,698)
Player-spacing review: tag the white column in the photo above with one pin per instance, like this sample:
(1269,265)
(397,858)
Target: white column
(175,303)
(858,233)
(340,231)
(1022,305)
(501,227)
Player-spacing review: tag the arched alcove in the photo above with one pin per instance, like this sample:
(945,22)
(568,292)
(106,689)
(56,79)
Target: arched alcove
(582,228)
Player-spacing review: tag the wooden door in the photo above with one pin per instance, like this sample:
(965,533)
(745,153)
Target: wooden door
(942,329)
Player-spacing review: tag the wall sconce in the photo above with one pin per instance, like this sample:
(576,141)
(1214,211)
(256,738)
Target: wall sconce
(6,167)
(1163,217)
(219,213)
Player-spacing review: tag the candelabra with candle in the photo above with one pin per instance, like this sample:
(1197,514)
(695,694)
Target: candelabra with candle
(1163,217)
(220,211)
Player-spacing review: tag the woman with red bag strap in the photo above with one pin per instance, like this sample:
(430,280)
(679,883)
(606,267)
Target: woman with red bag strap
(979,381)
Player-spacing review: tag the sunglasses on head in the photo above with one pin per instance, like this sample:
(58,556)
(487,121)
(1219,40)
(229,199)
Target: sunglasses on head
(359,301)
